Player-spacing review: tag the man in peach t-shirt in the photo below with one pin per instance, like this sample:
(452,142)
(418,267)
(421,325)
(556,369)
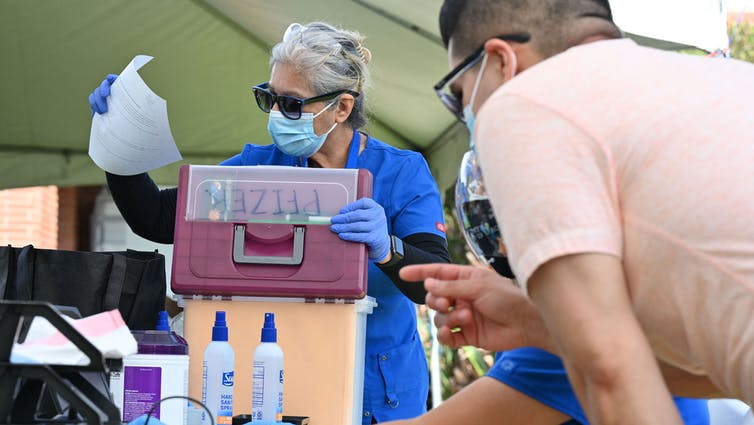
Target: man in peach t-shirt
(622,178)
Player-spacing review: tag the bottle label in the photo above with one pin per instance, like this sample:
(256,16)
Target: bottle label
(267,392)
(279,411)
(204,383)
(228,379)
(226,404)
(217,394)
(142,388)
(257,392)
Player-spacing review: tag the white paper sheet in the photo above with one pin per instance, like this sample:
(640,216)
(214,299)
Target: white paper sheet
(133,136)
(45,344)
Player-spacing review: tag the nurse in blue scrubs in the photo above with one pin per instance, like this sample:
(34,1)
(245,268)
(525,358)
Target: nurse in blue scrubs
(316,103)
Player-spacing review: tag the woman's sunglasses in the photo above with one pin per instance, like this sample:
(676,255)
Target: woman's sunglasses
(290,106)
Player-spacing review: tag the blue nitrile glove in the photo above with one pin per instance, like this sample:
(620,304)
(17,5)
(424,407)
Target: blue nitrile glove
(98,98)
(364,221)
(141,419)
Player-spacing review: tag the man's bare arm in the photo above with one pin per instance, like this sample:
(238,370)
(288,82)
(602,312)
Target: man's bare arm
(488,401)
(585,305)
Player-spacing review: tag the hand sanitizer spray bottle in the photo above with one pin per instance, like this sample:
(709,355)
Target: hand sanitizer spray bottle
(217,375)
(267,388)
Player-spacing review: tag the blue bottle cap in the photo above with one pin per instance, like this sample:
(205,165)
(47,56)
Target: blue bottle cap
(162,322)
(269,333)
(220,330)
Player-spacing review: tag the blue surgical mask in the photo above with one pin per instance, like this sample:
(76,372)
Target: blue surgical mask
(297,137)
(468,118)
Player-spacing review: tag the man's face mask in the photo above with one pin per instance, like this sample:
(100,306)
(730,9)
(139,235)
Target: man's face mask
(477,219)
(468,113)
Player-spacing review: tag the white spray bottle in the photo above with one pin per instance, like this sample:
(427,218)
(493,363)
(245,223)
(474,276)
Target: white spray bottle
(267,388)
(217,382)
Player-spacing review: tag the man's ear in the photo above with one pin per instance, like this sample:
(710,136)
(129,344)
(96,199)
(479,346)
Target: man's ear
(344,107)
(507,67)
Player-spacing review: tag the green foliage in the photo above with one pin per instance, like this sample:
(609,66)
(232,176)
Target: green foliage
(456,242)
(458,367)
(742,46)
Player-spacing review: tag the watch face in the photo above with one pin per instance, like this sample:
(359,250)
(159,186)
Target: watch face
(397,245)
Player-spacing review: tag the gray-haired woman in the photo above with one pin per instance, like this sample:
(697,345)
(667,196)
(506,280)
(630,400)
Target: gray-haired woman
(316,103)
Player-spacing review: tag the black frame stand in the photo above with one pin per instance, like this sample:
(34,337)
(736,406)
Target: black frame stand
(22,385)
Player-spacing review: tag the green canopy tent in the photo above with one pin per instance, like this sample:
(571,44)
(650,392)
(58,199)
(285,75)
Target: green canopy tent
(208,54)
(207,57)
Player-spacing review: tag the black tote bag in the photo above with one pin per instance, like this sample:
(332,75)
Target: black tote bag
(93,282)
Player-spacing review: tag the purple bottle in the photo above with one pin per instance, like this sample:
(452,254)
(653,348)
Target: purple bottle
(158,370)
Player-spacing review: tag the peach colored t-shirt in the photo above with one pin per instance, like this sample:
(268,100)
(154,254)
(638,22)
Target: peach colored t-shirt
(646,155)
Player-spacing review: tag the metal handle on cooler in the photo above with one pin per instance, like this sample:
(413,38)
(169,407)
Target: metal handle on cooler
(239,240)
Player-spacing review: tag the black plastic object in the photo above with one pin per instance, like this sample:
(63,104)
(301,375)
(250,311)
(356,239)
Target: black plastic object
(23,385)
(295,420)
(131,281)
(241,419)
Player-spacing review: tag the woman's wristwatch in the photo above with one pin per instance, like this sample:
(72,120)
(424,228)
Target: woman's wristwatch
(396,252)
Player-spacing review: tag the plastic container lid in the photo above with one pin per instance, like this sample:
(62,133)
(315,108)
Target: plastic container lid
(160,342)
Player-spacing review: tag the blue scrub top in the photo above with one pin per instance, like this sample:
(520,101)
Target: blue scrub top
(542,376)
(396,378)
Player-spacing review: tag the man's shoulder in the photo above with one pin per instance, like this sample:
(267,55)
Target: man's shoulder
(582,65)
(571,84)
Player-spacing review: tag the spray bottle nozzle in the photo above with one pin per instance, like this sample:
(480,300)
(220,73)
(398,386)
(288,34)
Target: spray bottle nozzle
(269,333)
(220,318)
(220,330)
(269,320)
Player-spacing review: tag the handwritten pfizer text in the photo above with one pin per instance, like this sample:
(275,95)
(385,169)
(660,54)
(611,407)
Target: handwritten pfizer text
(242,200)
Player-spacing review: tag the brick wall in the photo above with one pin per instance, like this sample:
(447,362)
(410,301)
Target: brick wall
(68,226)
(29,216)
(47,217)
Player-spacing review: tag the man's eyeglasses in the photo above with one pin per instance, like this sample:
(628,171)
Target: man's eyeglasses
(290,106)
(442,88)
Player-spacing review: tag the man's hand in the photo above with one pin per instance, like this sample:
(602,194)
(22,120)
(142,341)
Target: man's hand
(478,307)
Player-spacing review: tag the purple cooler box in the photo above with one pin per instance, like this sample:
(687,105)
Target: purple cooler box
(264,231)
